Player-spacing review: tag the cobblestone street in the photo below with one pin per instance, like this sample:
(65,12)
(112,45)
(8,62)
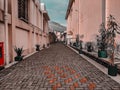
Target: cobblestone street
(55,68)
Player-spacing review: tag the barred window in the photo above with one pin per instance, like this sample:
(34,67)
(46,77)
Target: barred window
(23,10)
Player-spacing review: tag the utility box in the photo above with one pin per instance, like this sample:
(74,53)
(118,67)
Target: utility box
(1,54)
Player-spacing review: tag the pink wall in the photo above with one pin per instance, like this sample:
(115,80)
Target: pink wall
(1,32)
(2,4)
(85,18)
(90,18)
(21,33)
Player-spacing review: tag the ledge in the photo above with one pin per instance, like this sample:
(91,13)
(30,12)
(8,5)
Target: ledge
(101,61)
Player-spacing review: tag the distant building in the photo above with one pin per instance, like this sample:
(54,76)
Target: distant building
(58,29)
(85,16)
(23,23)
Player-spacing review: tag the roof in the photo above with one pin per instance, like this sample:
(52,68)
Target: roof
(69,7)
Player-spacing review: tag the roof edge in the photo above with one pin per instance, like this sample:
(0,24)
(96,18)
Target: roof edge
(69,7)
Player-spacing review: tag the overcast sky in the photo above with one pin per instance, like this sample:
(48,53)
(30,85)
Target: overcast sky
(56,10)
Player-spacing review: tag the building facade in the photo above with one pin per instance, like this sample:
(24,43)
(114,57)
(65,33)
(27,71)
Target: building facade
(85,16)
(23,23)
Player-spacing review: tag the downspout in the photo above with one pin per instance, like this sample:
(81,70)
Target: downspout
(6,31)
(42,27)
(79,19)
(34,37)
(103,11)
(42,20)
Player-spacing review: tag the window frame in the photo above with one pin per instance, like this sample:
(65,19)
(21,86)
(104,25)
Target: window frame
(23,10)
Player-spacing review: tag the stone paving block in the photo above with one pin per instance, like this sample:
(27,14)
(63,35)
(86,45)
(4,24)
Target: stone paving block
(57,67)
(42,89)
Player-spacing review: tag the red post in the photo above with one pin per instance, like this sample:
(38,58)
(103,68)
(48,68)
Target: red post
(1,54)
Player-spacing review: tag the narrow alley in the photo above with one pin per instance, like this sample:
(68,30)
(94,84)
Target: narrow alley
(55,68)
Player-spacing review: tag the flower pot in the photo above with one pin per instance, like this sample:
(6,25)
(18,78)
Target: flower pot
(102,53)
(18,58)
(74,44)
(89,48)
(112,70)
(80,51)
(37,47)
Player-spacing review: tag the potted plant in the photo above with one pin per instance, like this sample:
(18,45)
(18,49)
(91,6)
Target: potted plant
(80,46)
(89,46)
(101,42)
(77,40)
(112,30)
(37,47)
(19,52)
(43,45)
(48,44)
(70,44)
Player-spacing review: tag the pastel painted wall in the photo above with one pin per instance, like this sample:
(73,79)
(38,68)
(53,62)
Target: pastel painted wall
(85,18)
(90,18)
(2,26)
(2,4)
(22,39)
(2,32)
(32,41)
(21,33)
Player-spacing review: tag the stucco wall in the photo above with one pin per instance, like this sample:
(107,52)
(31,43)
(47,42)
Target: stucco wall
(85,18)
(22,39)
(32,39)
(2,4)
(35,15)
(90,18)
(1,32)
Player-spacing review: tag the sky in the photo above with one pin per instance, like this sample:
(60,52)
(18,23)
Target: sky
(56,10)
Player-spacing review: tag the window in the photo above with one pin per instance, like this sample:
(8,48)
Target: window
(23,10)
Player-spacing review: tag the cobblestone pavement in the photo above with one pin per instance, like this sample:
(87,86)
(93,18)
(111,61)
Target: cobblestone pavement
(55,68)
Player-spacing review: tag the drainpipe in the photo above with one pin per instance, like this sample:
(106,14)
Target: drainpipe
(103,11)
(42,20)
(34,35)
(42,27)
(6,31)
(79,19)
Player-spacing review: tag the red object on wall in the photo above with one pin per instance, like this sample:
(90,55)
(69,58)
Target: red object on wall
(1,54)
